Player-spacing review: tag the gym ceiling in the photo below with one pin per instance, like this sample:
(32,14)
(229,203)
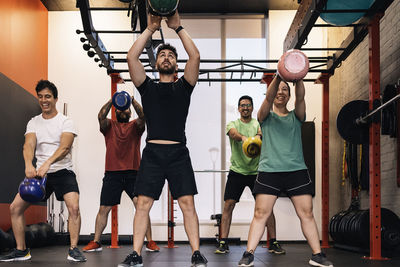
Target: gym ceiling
(192,6)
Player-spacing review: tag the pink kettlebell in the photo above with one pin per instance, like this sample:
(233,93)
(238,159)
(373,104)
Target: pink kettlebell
(293,65)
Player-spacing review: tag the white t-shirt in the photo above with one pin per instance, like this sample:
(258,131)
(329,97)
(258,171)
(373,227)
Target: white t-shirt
(48,134)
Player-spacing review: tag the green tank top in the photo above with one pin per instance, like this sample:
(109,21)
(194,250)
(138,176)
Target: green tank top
(240,163)
(281,149)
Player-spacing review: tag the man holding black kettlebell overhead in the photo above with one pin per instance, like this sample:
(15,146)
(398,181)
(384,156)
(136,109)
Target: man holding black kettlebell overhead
(243,171)
(48,138)
(122,139)
(166,106)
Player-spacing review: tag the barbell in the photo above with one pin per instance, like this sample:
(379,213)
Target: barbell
(353,120)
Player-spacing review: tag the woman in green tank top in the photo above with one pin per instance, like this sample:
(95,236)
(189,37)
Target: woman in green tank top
(281,167)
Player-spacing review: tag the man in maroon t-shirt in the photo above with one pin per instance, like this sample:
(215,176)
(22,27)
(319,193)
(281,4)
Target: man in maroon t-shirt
(122,139)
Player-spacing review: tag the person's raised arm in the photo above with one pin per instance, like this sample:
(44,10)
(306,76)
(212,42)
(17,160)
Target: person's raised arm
(136,68)
(28,153)
(139,111)
(102,116)
(269,99)
(259,133)
(299,103)
(191,72)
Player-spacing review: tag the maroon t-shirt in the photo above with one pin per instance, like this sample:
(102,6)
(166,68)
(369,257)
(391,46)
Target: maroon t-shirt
(122,146)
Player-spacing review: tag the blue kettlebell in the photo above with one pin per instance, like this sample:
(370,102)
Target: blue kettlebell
(33,190)
(121,100)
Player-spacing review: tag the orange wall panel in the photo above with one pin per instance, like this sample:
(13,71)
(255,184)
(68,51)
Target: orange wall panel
(24,41)
(34,214)
(24,60)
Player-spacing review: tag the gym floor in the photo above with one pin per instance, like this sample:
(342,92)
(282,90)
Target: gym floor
(297,255)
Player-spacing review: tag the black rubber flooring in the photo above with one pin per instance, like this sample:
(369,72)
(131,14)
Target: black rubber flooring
(297,255)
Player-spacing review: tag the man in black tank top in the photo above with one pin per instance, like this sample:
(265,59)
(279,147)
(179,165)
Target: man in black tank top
(165,105)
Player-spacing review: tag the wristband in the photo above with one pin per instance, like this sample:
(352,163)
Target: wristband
(150,30)
(178,29)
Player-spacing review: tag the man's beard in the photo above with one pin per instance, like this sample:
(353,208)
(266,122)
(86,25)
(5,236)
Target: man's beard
(244,116)
(122,119)
(168,71)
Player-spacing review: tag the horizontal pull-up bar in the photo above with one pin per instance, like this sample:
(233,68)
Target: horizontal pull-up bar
(224,70)
(229,80)
(321,49)
(110,31)
(108,8)
(123,60)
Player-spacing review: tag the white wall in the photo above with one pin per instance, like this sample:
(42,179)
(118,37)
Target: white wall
(86,87)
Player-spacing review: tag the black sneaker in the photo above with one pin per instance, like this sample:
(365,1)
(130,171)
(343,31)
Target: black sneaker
(223,248)
(17,255)
(320,260)
(247,259)
(198,259)
(276,248)
(132,260)
(75,255)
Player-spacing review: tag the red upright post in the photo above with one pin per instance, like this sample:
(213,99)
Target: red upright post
(374,141)
(267,78)
(115,79)
(324,79)
(171,221)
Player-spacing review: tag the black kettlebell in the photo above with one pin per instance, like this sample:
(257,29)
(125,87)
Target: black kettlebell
(163,8)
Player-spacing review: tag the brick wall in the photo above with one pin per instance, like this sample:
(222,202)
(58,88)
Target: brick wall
(350,82)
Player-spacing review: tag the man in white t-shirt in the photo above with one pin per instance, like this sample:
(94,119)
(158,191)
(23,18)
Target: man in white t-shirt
(48,138)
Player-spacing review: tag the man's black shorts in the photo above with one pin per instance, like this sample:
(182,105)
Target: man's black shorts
(236,184)
(160,162)
(61,182)
(292,183)
(114,182)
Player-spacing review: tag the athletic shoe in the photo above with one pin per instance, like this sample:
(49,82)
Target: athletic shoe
(17,255)
(276,248)
(223,248)
(152,246)
(320,260)
(247,259)
(75,255)
(92,247)
(132,260)
(198,259)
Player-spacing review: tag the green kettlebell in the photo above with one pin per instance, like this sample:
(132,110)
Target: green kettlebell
(163,8)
